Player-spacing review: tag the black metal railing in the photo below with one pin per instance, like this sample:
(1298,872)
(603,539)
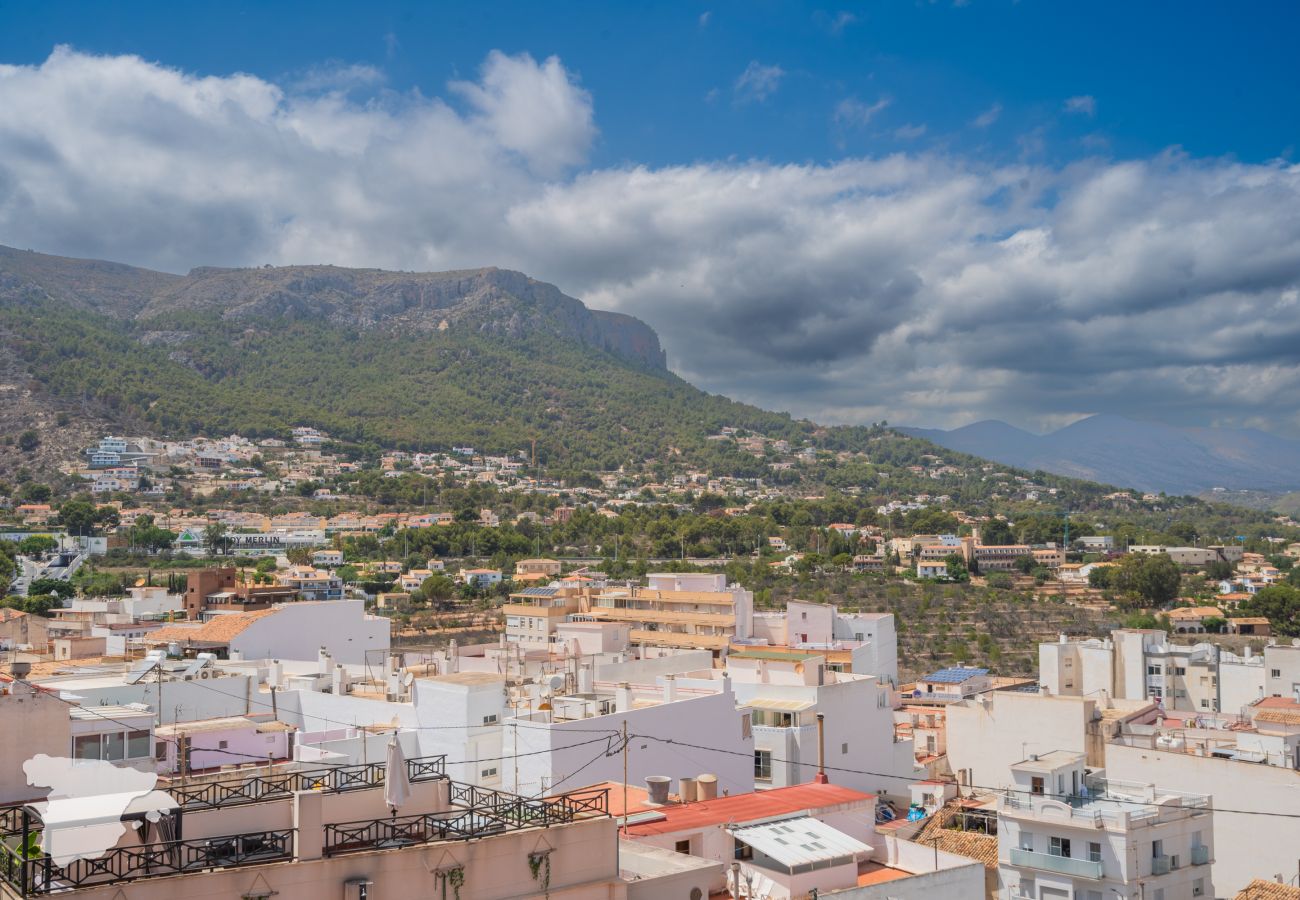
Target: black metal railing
(261,788)
(11,820)
(482,812)
(31,877)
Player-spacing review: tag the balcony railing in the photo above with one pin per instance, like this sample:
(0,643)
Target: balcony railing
(1160,865)
(281,785)
(1065,865)
(483,813)
(1200,855)
(40,875)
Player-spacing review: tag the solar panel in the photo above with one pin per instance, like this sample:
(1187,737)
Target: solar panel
(144,666)
(540,592)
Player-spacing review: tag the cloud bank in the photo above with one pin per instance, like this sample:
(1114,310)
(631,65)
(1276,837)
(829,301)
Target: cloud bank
(924,288)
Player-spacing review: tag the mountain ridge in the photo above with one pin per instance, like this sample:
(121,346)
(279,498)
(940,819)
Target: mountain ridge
(1149,456)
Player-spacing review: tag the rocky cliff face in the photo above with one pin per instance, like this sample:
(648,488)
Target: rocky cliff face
(490,301)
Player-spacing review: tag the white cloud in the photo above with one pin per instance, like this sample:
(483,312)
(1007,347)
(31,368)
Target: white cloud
(842,20)
(535,110)
(913,287)
(1084,105)
(909,132)
(854,113)
(758,82)
(988,117)
(705,18)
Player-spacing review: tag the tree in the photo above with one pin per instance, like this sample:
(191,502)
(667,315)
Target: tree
(77,516)
(438,589)
(1155,578)
(36,545)
(956,565)
(214,538)
(1001,581)
(1280,604)
(36,493)
(28,441)
(995,532)
(34,604)
(1024,564)
(1218,570)
(148,536)
(55,586)
(1101,577)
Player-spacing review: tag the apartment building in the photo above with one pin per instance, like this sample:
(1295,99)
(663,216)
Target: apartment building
(1068,833)
(686,611)
(1141,664)
(861,643)
(533,614)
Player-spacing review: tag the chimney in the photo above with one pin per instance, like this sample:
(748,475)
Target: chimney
(323,661)
(586,679)
(623,698)
(275,673)
(342,681)
(821,751)
(670,688)
(657,785)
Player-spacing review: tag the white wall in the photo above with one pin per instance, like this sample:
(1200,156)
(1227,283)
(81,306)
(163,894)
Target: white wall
(989,738)
(710,720)
(182,701)
(1245,846)
(298,631)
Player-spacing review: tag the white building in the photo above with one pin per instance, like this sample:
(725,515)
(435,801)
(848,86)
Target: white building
(785,696)
(861,643)
(1141,664)
(1067,833)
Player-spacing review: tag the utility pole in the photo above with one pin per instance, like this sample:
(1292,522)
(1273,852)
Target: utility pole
(624,775)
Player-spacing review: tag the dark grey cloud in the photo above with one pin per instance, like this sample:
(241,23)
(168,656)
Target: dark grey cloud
(924,288)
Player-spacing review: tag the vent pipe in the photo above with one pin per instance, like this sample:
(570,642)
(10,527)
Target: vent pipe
(821,750)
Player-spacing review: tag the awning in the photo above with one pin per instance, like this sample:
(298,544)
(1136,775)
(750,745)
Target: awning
(799,842)
(780,705)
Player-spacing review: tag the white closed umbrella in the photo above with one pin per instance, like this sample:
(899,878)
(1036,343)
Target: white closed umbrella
(397,786)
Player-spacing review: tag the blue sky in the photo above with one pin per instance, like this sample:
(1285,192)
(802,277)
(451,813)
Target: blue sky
(1213,78)
(930,213)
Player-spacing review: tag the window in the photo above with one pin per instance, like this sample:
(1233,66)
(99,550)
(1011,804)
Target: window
(137,744)
(762,765)
(1179,670)
(1153,670)
(488,773)
(742,850)
(1205,704)
(114,747)
(1059,846)
(86,746)
(683,847)
(222,745)
(1036,785)
(1275,673)
(488,720)
(160,750)
(1094,851)
(1198,887)
(1157,849)
(844,749)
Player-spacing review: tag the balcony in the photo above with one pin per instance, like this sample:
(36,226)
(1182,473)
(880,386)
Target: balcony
(1201,855)
(450,811)
(1160,865)
(1064,865)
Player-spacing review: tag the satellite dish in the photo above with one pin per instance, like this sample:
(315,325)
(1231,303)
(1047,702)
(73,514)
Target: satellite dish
(408,678)
(555,682)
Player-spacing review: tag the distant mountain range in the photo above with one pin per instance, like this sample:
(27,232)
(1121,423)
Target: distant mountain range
(1144,455)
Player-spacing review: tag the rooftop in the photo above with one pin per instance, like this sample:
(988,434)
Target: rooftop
(954,675)
(740,807)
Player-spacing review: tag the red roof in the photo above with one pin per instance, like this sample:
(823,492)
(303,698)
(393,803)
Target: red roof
(745,807)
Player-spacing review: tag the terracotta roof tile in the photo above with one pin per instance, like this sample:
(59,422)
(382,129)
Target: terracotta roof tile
(1263,889)
(217,630)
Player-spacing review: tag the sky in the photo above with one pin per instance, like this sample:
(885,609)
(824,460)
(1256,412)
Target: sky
(926,213)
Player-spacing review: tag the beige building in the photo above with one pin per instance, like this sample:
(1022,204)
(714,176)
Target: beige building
(683,611)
